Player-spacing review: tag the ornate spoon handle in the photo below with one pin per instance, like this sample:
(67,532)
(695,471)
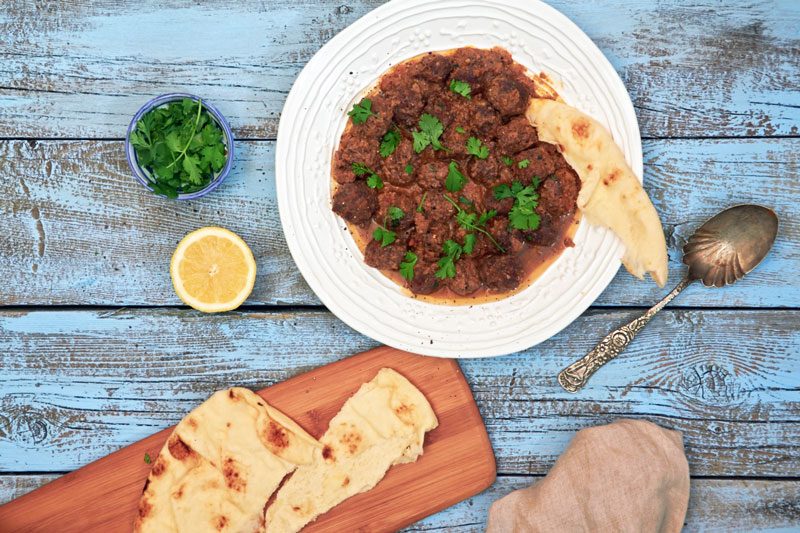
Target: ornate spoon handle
(578,373)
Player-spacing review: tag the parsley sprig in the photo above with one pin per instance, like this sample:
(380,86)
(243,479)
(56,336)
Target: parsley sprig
(373,180)
(472,222)
(407,266)
(180,146)
(462,88)
(361,111)
(430,129)
(447,264)
(477,148)
(523,215)
(455,179)
(382,234)
(389,143)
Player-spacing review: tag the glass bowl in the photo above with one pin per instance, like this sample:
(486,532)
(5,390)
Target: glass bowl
(143,176)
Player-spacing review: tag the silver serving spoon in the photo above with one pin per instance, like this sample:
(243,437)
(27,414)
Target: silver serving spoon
(728,246)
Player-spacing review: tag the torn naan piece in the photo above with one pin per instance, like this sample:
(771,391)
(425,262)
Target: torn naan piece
(610,195)
(381,425)
(220,466)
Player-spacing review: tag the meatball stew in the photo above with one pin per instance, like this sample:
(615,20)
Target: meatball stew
(443,180)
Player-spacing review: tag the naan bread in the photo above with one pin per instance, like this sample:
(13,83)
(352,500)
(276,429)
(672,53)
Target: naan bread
(610,194)
(381,425)
(221,464)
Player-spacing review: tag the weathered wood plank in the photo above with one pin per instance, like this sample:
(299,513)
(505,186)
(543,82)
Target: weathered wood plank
(724,505)
(80,230)
(81,384)
(82,70)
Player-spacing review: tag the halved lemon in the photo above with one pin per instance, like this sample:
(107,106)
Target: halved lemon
(213,270)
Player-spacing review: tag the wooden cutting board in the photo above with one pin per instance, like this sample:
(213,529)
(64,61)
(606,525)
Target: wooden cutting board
(457,462)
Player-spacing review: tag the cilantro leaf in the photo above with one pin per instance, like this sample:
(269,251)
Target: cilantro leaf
(384,236)
(419,207)
(375,182)
(455,179)
(390,142)
(459,129)
(486,216)
(469,242)
(359,169)
(430,130)
(395,213)
(508,161)
(461,87)
(477,148)
(407,266)
(191,166)
(524,163)
(361,111)
(409,169)
(523,215)
(471,222)
(214,156)
(452,253)
(147,458)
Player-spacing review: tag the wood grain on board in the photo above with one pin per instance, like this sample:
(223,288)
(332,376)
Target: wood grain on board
(81,231)
(81,384)
(457,461)
(715,505)
(700,68)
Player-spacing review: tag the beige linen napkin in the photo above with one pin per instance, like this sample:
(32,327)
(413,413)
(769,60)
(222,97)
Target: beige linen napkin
(630,475)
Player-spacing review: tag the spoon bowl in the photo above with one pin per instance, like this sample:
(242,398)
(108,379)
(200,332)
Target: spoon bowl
(730,244)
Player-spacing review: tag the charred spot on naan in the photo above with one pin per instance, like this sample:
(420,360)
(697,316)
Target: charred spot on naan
(276,438)
(158,468)
(179,449)
(405,413)
(144,508)
(233,476)
(351,438)
(327,453)
(580,129)
(221,522)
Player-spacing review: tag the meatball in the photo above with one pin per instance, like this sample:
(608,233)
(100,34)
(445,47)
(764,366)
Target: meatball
(517,135)
(473,193)
(559,193)
(437,207)
(428,244)
(486,171)
(456,142)
(484,119)
(376,126)
(353,148)
(547,232)
(501,206)
(384,257)
(425,280)
(355,202)
(501,272)
(435,67)
(542,160)
(432,175)
(399,200)
(498,228)
(507,95)
(394,165)
(408,104)
(467,280)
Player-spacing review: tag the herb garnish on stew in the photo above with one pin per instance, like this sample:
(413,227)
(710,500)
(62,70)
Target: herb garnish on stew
(462,88)
(430,129)
(522,215)
(407,266)
(362,111)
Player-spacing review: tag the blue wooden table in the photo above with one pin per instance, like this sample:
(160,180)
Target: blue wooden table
(96,351)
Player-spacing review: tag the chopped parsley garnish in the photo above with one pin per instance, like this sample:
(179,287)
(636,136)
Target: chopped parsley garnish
(384,236)
(430,129)
(395,214)
(447,264)
(459,129)
(390,142)
(419,207)
(147,458)
(455,179)
(462,88)
(508,161)
(469,242)
(472,222)
(466,201)
(409,169)
(407,266)
(524,163)
(373,180)
(362,111)
(477,148)
(522,215)
(180,146)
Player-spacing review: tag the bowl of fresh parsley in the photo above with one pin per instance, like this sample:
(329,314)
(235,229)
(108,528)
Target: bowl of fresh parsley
(179,146)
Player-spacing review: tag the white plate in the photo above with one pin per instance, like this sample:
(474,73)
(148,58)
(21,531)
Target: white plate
(538,37)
